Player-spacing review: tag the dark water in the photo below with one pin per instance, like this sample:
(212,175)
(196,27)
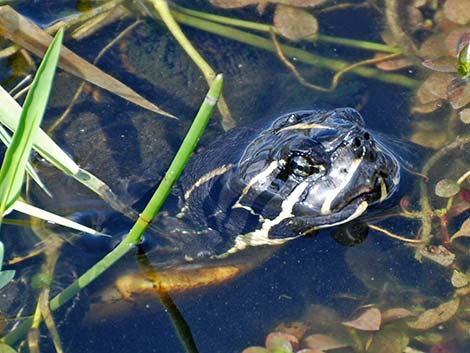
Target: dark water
(117,141)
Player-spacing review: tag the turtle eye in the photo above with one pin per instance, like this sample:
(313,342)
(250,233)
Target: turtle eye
(303,166)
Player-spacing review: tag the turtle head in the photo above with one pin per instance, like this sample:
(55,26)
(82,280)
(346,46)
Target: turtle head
(314,170)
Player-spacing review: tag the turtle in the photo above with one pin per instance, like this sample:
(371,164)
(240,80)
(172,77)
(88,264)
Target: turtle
(240,198)
(306,171)
(258,187)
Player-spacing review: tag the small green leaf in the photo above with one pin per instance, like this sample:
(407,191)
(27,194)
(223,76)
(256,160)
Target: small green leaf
(447,188)
(17,154)
(5,276)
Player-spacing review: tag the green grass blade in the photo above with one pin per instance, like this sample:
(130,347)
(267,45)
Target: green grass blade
(6,277)
(10,112)
(14,164)
(174,171)
(52,218)
(6,139)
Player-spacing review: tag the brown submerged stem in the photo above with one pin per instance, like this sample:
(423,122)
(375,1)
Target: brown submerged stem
(299,54)
(426,209)
(393,235)
(392,15)
(337,76)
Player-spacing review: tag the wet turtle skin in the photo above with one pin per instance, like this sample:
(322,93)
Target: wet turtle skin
(264,185)
(254,189)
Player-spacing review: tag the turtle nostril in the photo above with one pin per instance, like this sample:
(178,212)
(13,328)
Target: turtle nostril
(371,154)
(357,142)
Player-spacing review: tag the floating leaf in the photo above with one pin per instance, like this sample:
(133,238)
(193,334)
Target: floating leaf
(395,314)
(458,93)
(457,11)
(255,350)
(429,138)
(437,84)
(294,23)
(434,87)
(447,188)
(442,64)
(424,94)
(300,3)
(419,3)
(323,342)
(464,230)
(439,254)
(369,320)
(388,341)
(281,342)
(392,64)
(434,48)
(433,317)
(459,279)
(464,116)
(233,4)
(425,109)
(295,328)
(456,40)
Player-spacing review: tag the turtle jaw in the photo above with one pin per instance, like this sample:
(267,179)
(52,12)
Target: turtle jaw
(308,223)
(343,204)
(381,189)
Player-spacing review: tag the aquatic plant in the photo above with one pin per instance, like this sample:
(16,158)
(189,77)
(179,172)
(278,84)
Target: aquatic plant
(441,204)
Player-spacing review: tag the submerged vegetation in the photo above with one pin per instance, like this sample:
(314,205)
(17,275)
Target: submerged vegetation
(424,51)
